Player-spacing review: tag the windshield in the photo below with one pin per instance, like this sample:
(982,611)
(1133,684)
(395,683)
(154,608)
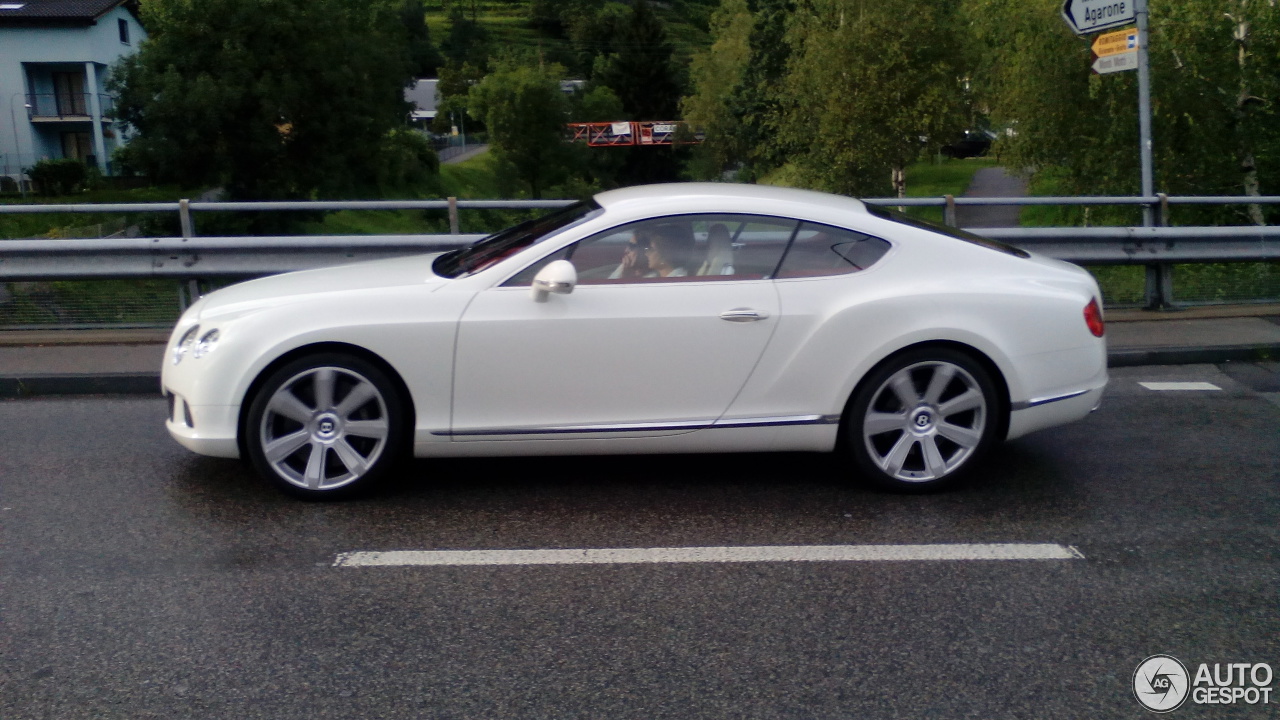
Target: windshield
(957,233)
(505,243)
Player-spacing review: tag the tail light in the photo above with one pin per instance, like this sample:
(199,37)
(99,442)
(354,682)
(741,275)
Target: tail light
(1093,318)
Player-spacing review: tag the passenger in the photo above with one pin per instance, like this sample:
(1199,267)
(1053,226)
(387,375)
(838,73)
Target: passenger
(669,253)
(635,263)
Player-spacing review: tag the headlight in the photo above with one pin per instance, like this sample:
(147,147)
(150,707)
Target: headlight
(206,345)
(188,338)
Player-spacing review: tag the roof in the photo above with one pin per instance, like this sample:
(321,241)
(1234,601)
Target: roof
(56,12)
(727,193)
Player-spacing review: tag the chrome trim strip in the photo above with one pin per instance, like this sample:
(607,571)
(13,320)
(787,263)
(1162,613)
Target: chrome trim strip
(1045,401)
(651,427)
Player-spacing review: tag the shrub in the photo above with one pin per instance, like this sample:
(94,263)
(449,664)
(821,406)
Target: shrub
(58,177)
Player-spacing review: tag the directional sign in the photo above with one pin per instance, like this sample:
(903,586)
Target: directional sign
(1116,63)
(1115,43)
(1090,16)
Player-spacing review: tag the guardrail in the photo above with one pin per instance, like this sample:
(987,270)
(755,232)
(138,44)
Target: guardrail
(194,258)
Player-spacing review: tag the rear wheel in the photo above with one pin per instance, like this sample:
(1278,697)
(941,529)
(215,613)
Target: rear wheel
(922,418)
(325,426)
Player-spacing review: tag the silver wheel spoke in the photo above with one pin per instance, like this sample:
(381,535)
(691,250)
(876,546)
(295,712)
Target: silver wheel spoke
(286,404)
(894,461)
(942,375)
(905,389)
(355,463)
(962,436)
(878,422)
(283,447)
(323,384)
(315,466)
(933,458)
(375,429)
(971,399)
(359,395)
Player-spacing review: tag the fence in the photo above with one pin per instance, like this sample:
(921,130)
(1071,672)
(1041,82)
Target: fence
(192,260)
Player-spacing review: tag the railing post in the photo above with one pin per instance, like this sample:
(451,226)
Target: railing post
(949,213)
(189,291)
(1159,280)
(453,216)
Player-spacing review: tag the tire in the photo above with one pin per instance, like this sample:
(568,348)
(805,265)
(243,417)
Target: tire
(919,420)
(325,426)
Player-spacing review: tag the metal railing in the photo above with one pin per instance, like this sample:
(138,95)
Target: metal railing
(191,258)
(68,106)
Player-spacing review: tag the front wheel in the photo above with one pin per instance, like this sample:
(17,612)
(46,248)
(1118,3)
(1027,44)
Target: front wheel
(325,426)
(920,419)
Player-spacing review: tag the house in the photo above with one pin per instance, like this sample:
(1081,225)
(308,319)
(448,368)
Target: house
(55,59)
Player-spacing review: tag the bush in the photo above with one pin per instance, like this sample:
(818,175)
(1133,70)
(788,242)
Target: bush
(58,177)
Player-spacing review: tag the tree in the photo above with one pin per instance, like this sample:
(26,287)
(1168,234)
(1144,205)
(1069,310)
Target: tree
(525,112)
(716,74)
(642,73)
(1215,83)
(424,57)
(265,98)
(467,42)
(869,87)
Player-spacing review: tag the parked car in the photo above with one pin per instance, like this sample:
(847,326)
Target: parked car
(974,143)
(661,319)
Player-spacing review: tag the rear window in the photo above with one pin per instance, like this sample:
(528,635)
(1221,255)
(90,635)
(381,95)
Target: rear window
(947,230)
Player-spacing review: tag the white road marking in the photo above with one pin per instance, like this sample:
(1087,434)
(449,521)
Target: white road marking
(1179,386)
(766,553)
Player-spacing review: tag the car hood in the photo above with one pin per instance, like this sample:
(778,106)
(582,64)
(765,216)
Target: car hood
(297,286)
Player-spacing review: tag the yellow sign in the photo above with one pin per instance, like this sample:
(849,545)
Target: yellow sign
(1115,43)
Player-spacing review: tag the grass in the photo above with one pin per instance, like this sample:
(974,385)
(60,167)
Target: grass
(935,179)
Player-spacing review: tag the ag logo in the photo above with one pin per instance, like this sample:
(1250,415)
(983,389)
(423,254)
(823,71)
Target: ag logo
(1161,683)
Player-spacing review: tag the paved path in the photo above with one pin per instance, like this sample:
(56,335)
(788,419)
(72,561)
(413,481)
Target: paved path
(992,182)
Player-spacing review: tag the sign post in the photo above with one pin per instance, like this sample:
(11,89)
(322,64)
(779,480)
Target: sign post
(1086,17)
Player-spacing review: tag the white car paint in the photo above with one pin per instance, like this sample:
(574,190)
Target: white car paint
(651,367)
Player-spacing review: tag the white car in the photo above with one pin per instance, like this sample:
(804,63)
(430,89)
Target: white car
(662,319)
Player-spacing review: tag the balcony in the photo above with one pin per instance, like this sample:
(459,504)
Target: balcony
(67,107)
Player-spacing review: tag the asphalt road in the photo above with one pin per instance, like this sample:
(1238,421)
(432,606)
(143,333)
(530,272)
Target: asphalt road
(140,581)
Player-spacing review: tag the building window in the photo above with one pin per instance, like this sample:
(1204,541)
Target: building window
(124,31)
(78,146)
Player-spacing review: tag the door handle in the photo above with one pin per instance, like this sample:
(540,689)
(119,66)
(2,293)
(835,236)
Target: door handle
(743,315)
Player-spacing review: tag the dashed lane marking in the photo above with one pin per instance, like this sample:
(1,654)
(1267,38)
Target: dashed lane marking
(765,553)
(1179,386)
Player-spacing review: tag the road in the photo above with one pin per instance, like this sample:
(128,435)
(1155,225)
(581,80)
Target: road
(140,581)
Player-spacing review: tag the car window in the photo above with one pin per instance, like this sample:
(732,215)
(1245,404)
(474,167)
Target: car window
(820,250)
(956,233)
(503,244)
(683,248)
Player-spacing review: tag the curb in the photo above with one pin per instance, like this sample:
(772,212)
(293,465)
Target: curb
(1193,355)
(149,383)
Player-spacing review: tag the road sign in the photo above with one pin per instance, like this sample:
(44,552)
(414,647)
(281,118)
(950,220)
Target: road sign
(1090,16)
(1116,63)
(1115,43)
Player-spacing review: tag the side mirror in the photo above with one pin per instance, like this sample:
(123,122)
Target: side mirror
(557,277)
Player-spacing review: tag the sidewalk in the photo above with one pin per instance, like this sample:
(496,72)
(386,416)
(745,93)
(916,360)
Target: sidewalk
(80,362)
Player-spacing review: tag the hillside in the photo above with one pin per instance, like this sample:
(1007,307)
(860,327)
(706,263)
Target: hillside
(509,27)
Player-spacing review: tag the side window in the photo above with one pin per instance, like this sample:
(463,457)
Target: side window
(684,248)
(821,250)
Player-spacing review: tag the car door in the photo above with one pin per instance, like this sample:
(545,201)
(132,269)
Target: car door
(626,353)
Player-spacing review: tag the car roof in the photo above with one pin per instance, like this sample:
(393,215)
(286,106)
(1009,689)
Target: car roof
(712,195)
